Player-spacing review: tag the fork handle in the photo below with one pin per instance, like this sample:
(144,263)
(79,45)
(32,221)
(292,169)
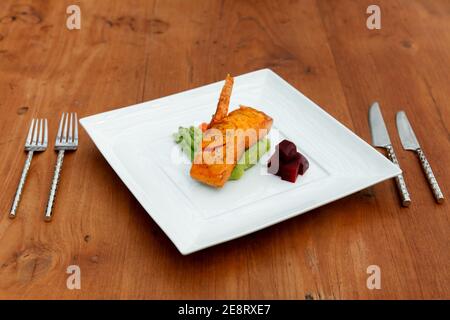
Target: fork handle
(401,184)
(430,176)
(55,180)
(23,178)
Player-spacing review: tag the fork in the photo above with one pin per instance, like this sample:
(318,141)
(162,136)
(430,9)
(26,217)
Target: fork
(66,140)
(37,141)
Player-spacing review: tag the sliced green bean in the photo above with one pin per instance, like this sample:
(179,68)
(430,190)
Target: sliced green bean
(250,158)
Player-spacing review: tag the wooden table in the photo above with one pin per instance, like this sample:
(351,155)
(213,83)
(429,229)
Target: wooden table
(132,51)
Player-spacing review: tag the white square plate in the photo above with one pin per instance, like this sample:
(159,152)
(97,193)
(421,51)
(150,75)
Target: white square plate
(137,143)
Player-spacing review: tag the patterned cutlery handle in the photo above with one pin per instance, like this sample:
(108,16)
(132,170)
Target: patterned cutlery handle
(23,178)
(430,176)
(51,198)
(401,184)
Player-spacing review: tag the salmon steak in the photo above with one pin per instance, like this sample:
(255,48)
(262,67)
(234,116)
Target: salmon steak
(226,139)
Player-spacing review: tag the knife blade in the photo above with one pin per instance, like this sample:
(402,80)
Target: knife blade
(406,133)
(380,138)
(410,142)
(380,135)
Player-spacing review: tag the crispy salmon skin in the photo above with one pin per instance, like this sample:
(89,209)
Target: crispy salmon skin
(224,101)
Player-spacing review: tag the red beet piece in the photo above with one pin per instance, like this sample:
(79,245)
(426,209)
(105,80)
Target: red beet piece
(287,150)
(289,170)
(274,163)
(287,163)
(304,165)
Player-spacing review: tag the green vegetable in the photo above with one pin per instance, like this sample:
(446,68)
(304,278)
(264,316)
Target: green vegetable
(197,136)
(190,140)
(238,172)
(177,137)
(186,147)
(250,158)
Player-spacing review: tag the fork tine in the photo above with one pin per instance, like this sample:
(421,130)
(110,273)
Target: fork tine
(39,142)
(45,133)
(76,129)
(64,136)
(69,140)
(30,132)
(35,133)
(58,136)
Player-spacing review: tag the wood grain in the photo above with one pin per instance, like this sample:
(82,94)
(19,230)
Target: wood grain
(132,51)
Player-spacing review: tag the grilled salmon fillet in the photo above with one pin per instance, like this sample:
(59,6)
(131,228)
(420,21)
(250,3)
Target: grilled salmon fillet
(226,140)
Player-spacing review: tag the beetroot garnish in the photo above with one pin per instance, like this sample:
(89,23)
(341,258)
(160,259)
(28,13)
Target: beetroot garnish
(304,165)
(289,170)
(287,150)
(287,163)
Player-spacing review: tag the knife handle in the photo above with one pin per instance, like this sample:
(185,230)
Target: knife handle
(401,185)
(430,176)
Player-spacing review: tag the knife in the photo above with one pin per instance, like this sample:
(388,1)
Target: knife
(410,142)
(380,138)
